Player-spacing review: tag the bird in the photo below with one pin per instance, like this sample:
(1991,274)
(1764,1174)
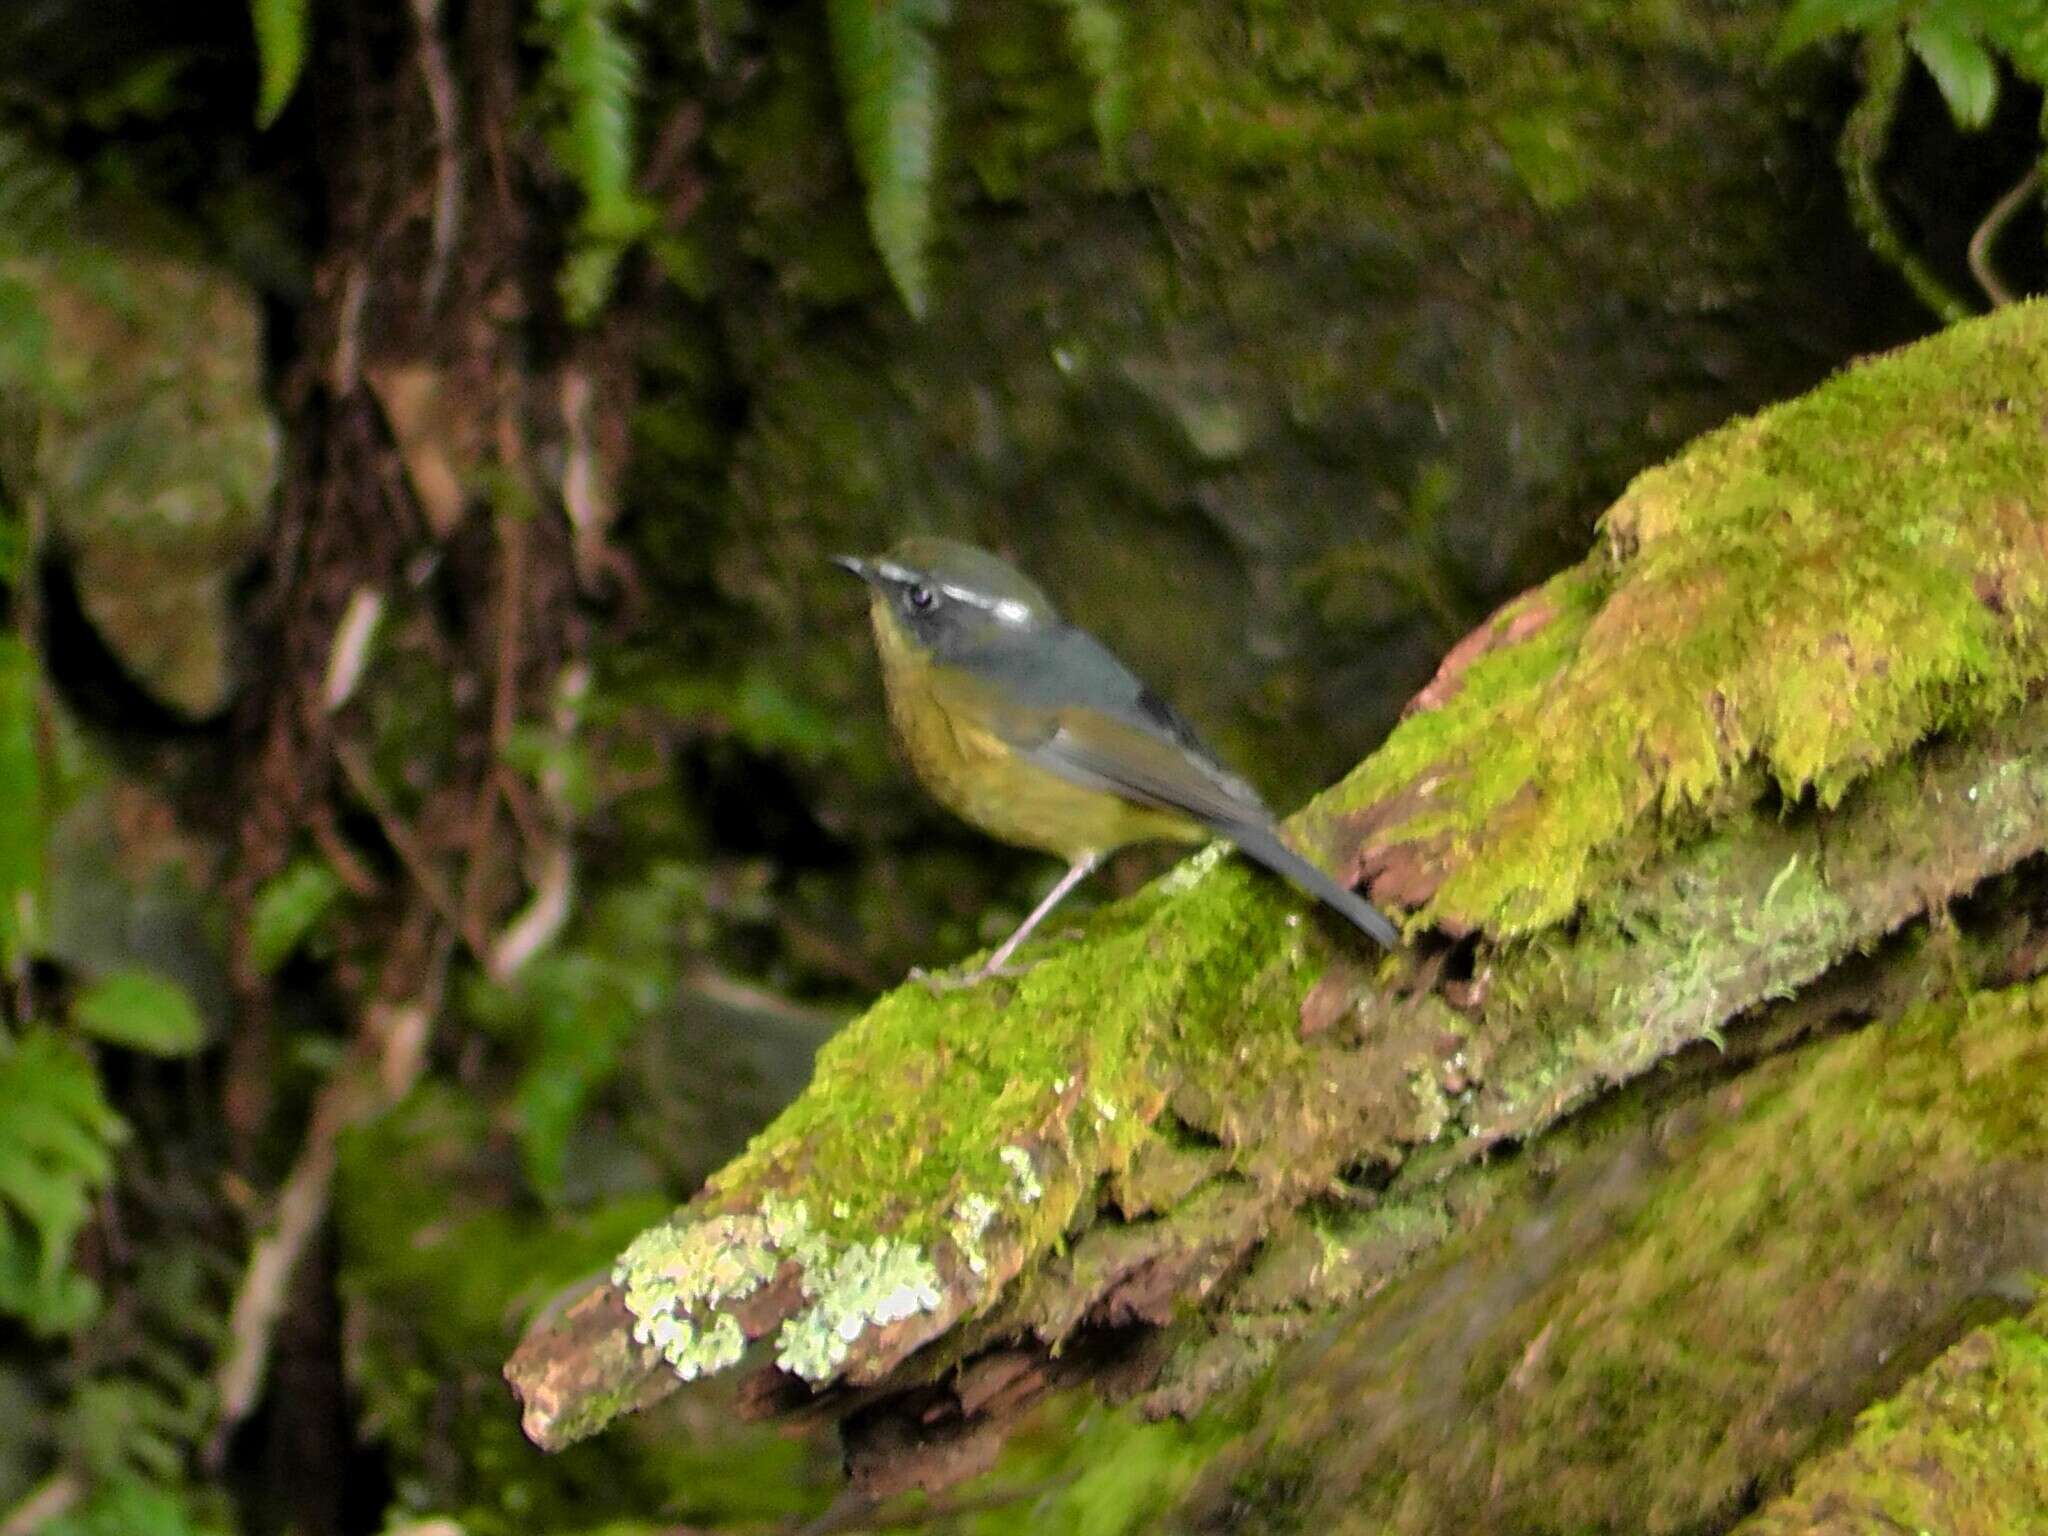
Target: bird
(1031,729)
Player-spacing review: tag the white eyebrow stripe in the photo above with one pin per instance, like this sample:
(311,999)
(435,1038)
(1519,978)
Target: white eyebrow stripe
(1007,610)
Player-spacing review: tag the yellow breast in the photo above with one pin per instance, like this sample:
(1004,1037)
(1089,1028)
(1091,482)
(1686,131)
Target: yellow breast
(945,723)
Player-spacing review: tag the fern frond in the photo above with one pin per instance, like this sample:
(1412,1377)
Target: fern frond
(56,1139)
(594,76)
(21,792)
(39,197)
(2019,30)
(1101,44)
(134,1507)
(282,30)
(142,1403)
(887,64)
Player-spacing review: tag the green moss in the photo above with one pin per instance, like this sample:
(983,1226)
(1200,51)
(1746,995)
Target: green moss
(151,447)
(1691,1303)
(1081,1469)
(1814,613)
(939,1148)
(1963,1450)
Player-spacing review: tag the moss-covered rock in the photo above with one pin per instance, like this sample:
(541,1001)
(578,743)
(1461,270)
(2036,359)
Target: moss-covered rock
(151,449)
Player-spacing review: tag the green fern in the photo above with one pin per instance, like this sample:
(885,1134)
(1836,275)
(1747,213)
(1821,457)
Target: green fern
(144,1401)
(593,76)
(573,1011)
(57,1137)
(887,64)
(1101,44)
(21,814)
(282,33)
(39,197)
(1955,39)
(135,1508)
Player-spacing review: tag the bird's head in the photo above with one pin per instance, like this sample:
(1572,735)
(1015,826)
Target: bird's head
(951,600)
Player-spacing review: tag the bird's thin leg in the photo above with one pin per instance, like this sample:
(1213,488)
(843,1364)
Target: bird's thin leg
(1076,873)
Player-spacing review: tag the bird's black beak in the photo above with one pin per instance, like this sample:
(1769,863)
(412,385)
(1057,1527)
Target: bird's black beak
(859,568)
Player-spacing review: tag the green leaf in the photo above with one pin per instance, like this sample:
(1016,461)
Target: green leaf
(24,345)
(1960,64)
(1099,38)
(142,1011)
(572,1012)
(587,278)
(133,1506)
(286,909)
(281,37)
(594,75)
(888,70)
(1811,20)
(21,806)
(2020,33)
(39,198)
(56,1138)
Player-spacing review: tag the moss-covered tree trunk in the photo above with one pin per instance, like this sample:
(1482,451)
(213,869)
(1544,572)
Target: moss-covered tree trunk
(1704,1112)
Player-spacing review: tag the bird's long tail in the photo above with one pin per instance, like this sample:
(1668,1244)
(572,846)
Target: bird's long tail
(1263,845)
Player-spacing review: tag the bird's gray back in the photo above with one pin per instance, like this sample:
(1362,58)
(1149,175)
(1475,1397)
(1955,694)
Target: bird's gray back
(1063,667)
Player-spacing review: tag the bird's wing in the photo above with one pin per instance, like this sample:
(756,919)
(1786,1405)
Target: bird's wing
(1101,752)
(1073,708)
(1069,673)
(1094,724)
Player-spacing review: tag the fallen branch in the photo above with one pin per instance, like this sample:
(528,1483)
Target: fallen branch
(384,1062)
(1788,708)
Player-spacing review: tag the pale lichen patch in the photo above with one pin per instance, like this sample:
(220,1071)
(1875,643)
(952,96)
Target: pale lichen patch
(677,1277)
(865,1285)
(1187,874)
(972,1216)
(1023,1173)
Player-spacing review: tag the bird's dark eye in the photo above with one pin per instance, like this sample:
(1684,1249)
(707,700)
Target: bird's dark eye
(921,597)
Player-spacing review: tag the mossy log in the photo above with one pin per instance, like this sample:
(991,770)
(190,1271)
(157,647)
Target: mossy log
(1687,804)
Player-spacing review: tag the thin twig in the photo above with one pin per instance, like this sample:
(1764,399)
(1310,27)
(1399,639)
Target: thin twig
(1986,237)
(539,921)
(51,1499)
(349,652)
(418,863)
(344,369)
(1865,138)
(351,870)
(504,712)
(389,1052)
(448,159)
